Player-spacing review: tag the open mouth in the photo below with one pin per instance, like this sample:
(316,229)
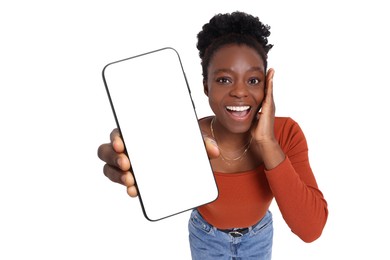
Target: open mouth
(238,111)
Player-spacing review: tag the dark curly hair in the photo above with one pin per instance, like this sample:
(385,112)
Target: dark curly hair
(232,28)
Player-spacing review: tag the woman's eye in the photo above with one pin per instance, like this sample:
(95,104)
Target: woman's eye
(223,80)
(254,81)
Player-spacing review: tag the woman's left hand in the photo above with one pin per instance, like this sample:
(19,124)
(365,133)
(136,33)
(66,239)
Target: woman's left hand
(263,131)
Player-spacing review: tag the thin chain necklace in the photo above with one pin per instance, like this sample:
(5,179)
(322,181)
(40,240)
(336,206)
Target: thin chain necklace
(224,158)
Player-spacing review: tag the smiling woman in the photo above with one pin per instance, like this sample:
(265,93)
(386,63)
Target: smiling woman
(255,155)
(235,86)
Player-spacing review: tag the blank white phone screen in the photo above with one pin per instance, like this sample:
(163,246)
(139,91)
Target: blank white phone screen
(154,111)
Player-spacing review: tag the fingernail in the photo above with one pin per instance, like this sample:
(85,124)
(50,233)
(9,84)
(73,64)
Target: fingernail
(119,162)
(211,140)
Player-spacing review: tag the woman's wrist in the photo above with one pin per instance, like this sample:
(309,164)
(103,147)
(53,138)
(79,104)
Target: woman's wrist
(271,152)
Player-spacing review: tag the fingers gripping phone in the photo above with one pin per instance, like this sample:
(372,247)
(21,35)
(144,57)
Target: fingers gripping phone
(154,112)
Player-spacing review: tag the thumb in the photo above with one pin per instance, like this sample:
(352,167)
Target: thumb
(211,147)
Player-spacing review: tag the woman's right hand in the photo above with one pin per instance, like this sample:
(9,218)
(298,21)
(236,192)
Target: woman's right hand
(117,167)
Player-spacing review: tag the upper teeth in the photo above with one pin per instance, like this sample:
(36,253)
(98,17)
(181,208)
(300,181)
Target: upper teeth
(240,108)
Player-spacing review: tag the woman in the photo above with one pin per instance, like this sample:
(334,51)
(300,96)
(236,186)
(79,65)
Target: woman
(255,156)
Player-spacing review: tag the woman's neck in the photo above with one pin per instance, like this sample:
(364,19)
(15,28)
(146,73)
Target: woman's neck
(228,142)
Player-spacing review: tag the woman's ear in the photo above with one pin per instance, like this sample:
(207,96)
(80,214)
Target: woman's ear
(205,88)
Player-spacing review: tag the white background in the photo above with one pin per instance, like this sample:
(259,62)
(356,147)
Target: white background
(331,61)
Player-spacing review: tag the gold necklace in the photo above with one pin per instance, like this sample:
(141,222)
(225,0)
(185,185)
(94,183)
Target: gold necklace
(224,158)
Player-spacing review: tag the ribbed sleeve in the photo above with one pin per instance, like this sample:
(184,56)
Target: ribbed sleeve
(293,184)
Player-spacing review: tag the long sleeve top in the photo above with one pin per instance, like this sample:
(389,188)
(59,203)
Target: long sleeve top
(244,197)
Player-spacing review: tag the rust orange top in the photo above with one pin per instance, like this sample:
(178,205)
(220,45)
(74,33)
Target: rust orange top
(245,197)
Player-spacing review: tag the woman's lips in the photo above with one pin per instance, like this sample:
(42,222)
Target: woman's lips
(238,112)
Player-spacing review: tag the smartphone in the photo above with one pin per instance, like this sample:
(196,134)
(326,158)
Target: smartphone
(152,105)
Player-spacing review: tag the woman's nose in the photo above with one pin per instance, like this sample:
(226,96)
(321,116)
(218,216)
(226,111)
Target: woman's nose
(240,89)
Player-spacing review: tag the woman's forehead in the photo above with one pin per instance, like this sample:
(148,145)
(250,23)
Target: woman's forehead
(237,54)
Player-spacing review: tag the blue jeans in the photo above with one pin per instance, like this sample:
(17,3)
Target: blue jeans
(210,243)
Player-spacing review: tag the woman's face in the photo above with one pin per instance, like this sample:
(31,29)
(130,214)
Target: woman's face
(235,86)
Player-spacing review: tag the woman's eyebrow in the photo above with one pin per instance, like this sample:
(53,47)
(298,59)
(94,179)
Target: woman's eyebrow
(221,70)
(229,70)
(226,70)
(257,69)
